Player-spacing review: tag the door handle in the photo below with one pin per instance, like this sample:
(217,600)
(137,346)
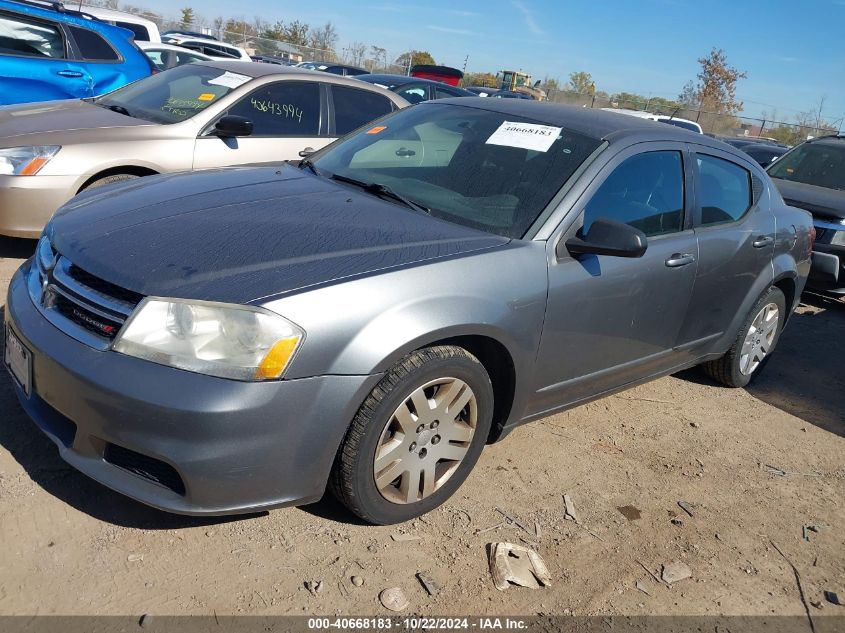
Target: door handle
(69,73)
(762,241)
(680,259)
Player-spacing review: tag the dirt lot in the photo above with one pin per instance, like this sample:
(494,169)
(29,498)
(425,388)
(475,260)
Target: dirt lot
(758,465)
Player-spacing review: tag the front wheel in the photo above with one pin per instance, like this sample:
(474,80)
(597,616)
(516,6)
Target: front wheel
(416,437)
(754,344)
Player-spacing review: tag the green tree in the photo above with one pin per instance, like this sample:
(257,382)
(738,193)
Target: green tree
(582,83)
(412,58)
(482,80)
(187,18)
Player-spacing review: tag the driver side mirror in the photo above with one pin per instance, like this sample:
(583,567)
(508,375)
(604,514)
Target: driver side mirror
(606,237)
(232,125)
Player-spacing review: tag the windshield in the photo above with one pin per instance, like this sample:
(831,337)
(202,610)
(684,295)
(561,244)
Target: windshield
(174,95)
(481,169)
(821,164)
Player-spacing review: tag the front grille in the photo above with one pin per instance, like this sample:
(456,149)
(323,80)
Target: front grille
(79,303)
(103,287)
(149,468)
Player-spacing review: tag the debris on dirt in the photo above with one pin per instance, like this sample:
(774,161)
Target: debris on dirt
(650,573)
(675,572)
(797,582)
(630,512)
(687,507)
(677,522)
(145,620)
(394,599)
(514,521)
(694,425)
(405,537)
(537,529)
(488,529)
(833,598)
(817,604)
(431,587)
(134,558)
(357,581)
(640,585)
(518,565)
(780,472)
(805,531)
(314,587)
(570,515)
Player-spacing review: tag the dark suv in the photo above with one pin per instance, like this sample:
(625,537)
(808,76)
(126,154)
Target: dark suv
(812,176)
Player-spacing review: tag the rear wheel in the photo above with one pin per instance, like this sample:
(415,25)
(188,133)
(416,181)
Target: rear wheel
(107,180)
(416,437)
(754,344)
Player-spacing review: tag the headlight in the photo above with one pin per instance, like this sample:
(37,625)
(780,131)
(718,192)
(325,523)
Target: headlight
(25,161)
(229,341)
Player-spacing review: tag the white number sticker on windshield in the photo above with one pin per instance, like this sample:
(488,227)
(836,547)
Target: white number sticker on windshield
(525,135)
(229,80)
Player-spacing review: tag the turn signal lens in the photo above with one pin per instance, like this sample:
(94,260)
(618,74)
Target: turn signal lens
(277,359)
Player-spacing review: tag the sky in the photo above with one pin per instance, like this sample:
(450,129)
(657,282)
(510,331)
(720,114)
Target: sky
(793,52)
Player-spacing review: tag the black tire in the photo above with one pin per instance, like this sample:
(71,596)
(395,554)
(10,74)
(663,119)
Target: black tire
(726,369)
(353,478)
(107,180)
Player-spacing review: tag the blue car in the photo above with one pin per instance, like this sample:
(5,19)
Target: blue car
(51,52)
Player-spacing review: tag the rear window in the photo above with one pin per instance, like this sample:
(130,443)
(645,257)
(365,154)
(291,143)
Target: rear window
(30,38)
(820,164)
(353,108)
(141,33)
(92,46)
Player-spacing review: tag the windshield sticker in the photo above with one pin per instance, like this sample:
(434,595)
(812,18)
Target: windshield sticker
(229,80)
(525,135)
(206,96)
(377,129)
(286,110)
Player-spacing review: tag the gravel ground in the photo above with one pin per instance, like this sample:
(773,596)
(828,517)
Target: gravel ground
(756,466)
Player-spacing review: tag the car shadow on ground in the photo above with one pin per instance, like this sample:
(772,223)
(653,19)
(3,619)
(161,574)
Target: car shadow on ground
(16,247)
(39,457)
(804,377)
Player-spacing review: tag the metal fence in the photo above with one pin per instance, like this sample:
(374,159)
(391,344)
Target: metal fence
(710,122)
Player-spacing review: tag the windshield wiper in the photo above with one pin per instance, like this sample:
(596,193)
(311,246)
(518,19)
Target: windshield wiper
(116,108)
(383,190)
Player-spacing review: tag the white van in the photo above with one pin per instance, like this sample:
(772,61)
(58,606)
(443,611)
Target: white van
(145,30)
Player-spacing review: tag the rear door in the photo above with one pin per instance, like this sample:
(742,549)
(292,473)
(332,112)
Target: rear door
(353,107)
(34,57)
(736,236)
(99,60)
(613,320)
(288,117)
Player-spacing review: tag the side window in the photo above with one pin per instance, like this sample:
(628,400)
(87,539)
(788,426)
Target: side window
(92,46)
(645,191)
(30,38)
(414,93)
(444,93)
(288,108)
(725,190)
(353,108)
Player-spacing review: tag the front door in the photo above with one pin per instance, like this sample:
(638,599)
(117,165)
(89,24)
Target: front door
(287,117)
(612,320)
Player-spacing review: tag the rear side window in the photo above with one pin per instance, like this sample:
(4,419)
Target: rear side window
(288,108)
(92,46)
(444,93)
(30,38)
(414,93)
(646,191)
(353,108)
(724,190)
(140,31)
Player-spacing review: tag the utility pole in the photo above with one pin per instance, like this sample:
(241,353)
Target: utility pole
(466,59)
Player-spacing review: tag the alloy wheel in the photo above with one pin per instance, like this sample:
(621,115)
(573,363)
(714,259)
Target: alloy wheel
(760,339)
(425,440)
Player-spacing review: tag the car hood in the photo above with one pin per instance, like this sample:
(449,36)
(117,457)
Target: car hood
(245,234)
(820,201)
(60,117)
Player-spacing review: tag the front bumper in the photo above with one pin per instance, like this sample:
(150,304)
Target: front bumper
(176,440)
(28,202)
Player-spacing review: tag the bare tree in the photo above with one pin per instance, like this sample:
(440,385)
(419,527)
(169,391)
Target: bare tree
(716,87)
(355,53)
(324,37)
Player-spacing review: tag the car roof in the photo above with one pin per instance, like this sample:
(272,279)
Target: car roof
(111,14)
(833,139)
(596,123)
